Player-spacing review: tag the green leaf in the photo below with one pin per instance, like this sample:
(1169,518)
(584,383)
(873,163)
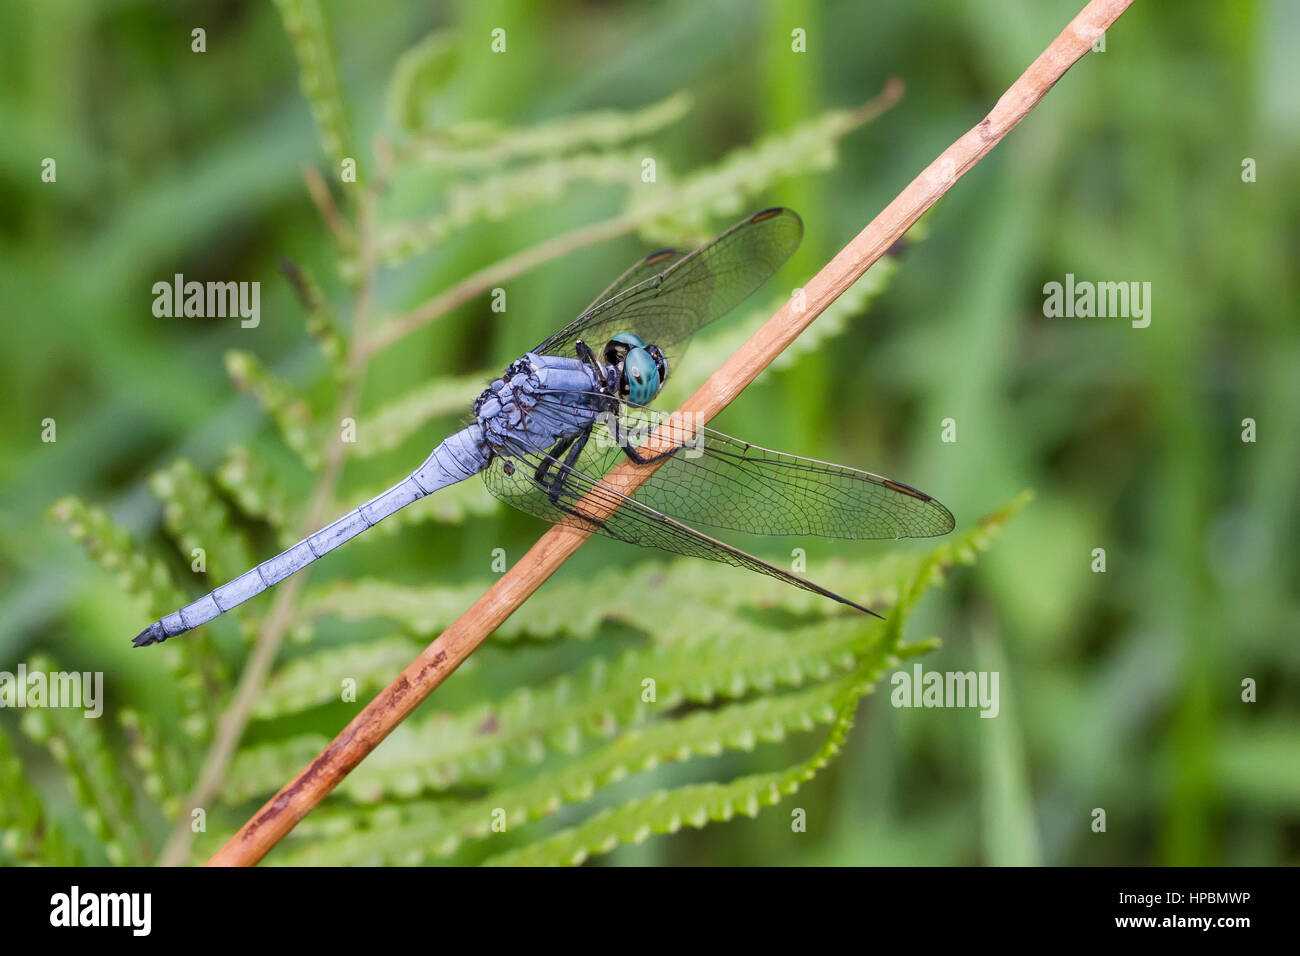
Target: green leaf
(439,829)
(197,519)
(195,667)
(111,547)
(318,677)
(697,201)
(304,22)
(500,195)
(254,488)
(560,715)
(666,811)
(479,145)
(290,411)
(28,835)
(322,324)
(92,774)
(391,425)
(420,75)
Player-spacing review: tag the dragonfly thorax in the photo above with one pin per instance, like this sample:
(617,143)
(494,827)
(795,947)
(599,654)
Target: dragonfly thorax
(642,369)
(539,400)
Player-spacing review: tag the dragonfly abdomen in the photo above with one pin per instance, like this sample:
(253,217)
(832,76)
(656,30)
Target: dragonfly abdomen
(460,456)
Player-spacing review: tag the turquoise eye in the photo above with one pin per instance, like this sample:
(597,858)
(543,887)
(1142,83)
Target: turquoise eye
(641,375)
(630,339)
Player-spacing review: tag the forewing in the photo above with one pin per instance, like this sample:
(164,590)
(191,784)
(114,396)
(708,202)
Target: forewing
(647,268)
(668,307)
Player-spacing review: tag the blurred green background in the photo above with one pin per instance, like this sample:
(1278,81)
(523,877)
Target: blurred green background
(1119,690)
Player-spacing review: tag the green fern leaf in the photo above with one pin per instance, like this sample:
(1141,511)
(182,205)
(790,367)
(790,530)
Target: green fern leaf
(477,145)
(197,519)
(419,76)
(597,701)
(438,830)
(318,678)
(195,666)
(91,771)
(252,486)
(27,834)
(501,195)
(112,549)
(722,191)
(394,423)
(305,24)
(290,411)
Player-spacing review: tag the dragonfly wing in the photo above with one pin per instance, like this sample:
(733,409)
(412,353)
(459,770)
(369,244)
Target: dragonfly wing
(581,501)
(647,268)
(668,307)
(722,482)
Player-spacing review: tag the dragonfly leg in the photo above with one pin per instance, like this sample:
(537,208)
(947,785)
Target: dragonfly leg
(551,457)
(632,453)
(588,357)
(575,449)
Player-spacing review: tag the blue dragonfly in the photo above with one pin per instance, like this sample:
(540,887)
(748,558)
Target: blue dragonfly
(549,430)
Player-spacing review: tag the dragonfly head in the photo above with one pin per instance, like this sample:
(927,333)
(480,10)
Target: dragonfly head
(642,368)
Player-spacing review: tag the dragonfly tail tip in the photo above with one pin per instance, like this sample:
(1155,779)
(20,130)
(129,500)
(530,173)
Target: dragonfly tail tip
(867,610)
(153,634)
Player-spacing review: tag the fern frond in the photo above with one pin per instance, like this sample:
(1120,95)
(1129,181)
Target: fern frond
(155,760)
(322,324)
(291,412)
(478,145)
(500,195)
(304,22)
(395,422)
(722,191)
(317,678)
(197,519)
(695,805)
(112,548)
(195,667)
(254,488)
(420,74)
(93,777)
(439,830)
(27,834)
(599,700)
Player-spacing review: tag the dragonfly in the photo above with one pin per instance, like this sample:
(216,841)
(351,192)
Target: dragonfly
(546,435)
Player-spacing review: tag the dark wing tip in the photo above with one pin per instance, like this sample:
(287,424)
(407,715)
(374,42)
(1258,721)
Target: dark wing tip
(659,256)
(153,634)
(906,489)
(949,523)
(771,212)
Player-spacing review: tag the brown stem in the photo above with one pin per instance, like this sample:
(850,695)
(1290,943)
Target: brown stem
(279,815)
(320,193)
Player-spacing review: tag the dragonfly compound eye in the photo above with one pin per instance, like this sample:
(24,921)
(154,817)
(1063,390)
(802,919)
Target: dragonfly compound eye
(641,376)
(618,347)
